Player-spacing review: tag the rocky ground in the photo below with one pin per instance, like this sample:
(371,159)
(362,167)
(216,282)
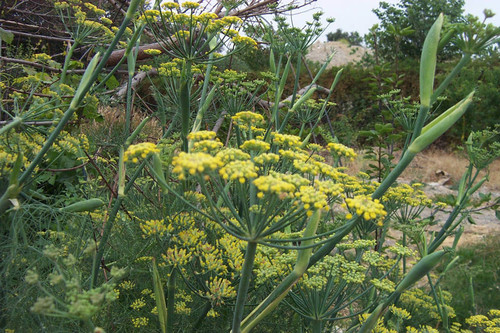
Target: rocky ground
(343,53)
(485,220)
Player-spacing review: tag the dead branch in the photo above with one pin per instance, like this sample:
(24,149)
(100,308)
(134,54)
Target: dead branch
(136,80)
(59,39)
(117,55)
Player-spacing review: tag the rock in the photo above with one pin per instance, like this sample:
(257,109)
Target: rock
(344,53)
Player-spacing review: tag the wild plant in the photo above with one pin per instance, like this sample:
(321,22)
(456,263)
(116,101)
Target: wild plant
(241,227)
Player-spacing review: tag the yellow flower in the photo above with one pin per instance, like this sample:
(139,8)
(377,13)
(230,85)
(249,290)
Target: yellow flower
(207,146)
(170,5)
(152,52)
(287,140)
(341,150)
(255,145)
(140,150)
(153,227)
(247,119)
(138,304)
(201,135)
(194,163)
(239,170)
(190,5)
(218,289)
(232,154)
(140,322)
(266,158)
(366,207)
(312,199)
(274,184)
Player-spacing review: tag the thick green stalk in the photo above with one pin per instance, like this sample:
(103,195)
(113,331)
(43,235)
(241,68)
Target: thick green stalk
(81,91)
(161,305)
(109,225)
(67,61)
(439,90)
(244,284)
(171,301)
(185,101)
(16,121)
(301,265)
(316,326)
(131,59)
(297,77)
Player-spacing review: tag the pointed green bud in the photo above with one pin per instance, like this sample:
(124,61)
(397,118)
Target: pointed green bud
(421,269)
(83,206)
(272,62)
(428,62)
(87,75)
(440,125)
(302,99)
(372,320)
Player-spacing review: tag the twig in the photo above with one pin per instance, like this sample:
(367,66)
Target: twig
(59,39)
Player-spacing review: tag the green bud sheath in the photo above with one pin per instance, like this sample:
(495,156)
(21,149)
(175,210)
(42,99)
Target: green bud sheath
(440,125)
(428,62)
(419,270)
(83,206)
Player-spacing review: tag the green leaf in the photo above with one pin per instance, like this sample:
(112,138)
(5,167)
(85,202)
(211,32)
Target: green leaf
(6,36)
(112,82)
(497,214)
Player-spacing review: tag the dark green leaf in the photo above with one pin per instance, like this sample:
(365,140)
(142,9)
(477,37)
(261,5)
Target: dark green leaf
(6,36)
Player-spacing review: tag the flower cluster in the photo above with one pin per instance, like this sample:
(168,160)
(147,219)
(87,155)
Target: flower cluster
(366,207)
(286,140)
(219,289)
(153,227)
(194,164)
(239,170)
(185,21)
(274,184)
(312,199)
(140,150)
(247,119)
(201,136)
(255,145)
(340,150)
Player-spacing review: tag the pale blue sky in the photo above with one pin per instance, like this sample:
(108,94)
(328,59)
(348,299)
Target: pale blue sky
(357,15)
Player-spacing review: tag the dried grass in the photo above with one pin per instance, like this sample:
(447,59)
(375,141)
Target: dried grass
(425,166)
(114,120)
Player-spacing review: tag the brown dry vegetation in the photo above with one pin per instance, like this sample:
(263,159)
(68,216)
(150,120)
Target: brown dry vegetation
(425,166)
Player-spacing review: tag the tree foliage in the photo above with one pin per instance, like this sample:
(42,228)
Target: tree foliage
(416,16)
(352,37)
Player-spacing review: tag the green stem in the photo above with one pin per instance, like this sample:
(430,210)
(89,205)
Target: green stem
(316,326)
(131,59)
(185,104)
(203,315)
(171,301)
(109,225)
(243,286)
(404,257)
(74,104)
(275,297)
(419,123)
(67,60)
(104,239)
(297,77)
(16,121)
(439,90)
